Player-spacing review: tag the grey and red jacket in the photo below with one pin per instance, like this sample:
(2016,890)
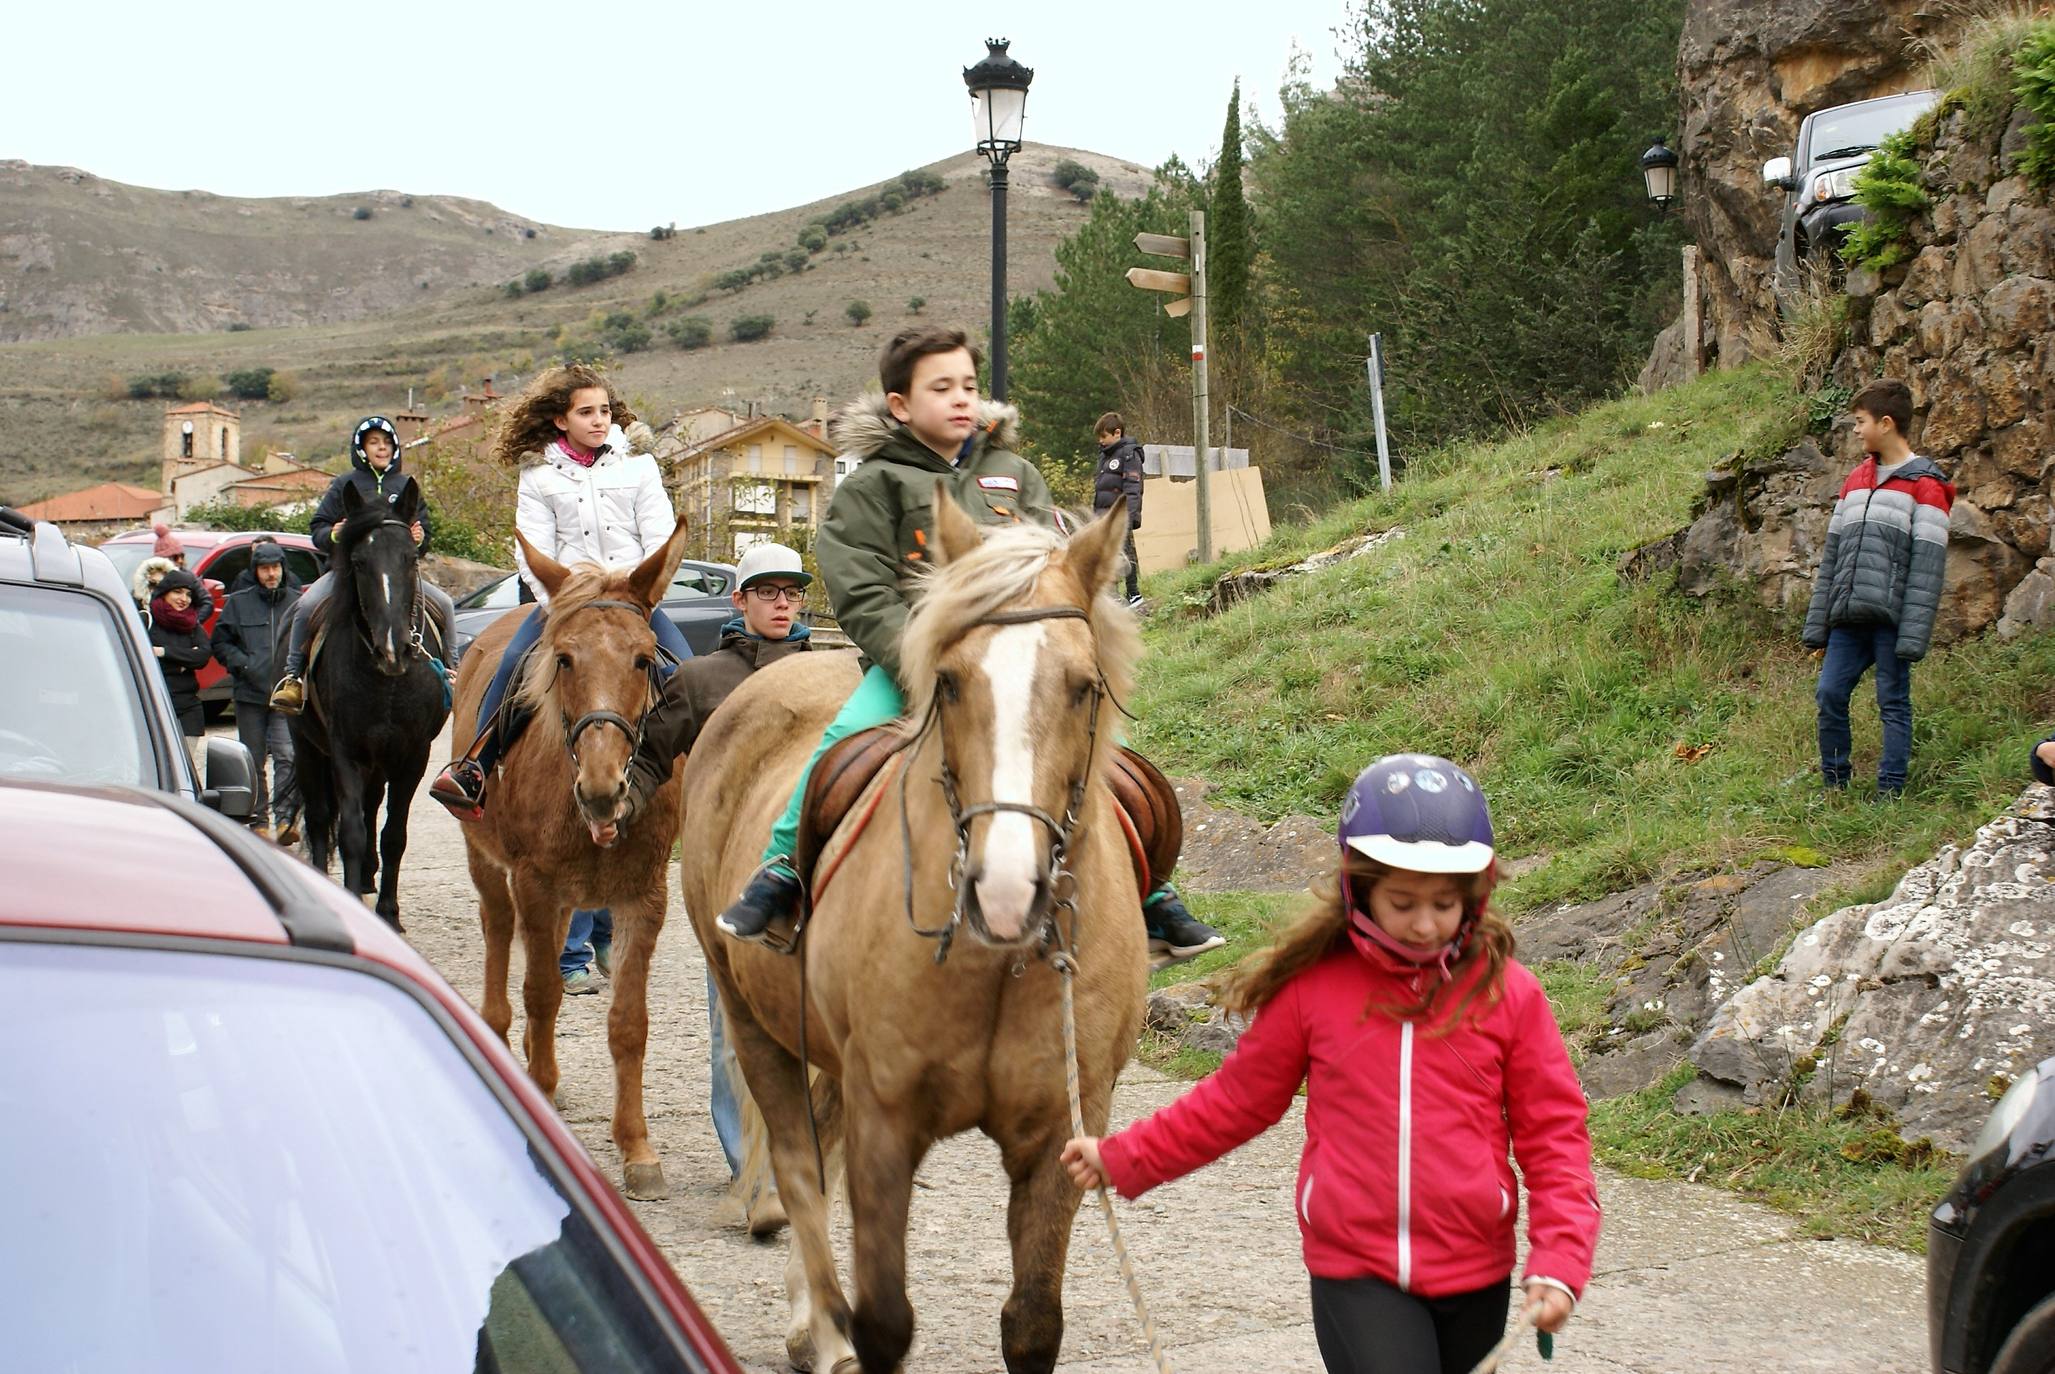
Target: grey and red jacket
(1887,550)
(1405,1175)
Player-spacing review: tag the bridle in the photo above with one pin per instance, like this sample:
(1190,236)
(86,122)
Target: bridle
(633,729)
(416,647)
(1062,882)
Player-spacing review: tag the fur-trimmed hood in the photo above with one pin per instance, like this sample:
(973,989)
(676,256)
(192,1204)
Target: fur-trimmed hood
(862,428)
(139,584)
(637,438)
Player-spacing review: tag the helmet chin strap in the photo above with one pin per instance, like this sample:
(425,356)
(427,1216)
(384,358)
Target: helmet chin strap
(1370,939)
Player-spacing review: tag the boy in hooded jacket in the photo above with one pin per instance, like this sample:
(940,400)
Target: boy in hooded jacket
(376,473)
(928,427)
(1118,479)
(1878,585)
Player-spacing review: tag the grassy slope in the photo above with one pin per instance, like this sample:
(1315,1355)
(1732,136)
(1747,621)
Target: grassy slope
(1499,633)
(938,248)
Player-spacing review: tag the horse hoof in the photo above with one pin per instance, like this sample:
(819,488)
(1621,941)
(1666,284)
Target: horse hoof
(370,900)
(799,1351)
(851,1365)
(645,1182)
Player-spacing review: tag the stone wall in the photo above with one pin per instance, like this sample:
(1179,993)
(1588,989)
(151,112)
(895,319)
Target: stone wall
(1965,322)
(1748,72)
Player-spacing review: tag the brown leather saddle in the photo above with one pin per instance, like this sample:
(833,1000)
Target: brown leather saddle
(1152,823)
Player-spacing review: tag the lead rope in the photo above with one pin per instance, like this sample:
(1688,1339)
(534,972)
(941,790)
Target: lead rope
(1067,967)
(1496,1356)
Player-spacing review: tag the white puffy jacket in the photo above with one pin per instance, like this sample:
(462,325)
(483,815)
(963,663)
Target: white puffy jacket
(615,513)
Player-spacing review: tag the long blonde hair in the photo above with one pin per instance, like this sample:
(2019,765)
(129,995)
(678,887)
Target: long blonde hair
(530,425)
(1324,927)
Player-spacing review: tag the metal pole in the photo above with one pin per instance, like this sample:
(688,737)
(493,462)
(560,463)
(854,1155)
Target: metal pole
(1376,366)
(1200,405)
(999,279)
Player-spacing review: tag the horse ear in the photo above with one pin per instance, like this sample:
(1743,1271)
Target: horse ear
(541,566)
(956,534)
(408,505)
(652,576)
(1095,551)
(353,500)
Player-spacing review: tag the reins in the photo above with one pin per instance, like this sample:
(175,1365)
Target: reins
(633,729)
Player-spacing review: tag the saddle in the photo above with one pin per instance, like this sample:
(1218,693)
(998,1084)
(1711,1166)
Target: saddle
(1146,804)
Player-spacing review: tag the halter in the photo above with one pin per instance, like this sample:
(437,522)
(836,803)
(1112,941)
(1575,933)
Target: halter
(416,646)
(1062,882)
(634,729)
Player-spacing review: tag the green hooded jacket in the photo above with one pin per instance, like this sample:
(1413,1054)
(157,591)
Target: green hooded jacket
(880,522)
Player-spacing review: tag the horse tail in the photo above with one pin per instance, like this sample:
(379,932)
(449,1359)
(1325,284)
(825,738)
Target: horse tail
(756,1177)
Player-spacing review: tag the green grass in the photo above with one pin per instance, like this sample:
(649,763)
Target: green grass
(1578,993)
(1499,633)
(1846,1172)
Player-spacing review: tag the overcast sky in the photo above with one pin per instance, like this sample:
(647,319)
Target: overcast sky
(629,113)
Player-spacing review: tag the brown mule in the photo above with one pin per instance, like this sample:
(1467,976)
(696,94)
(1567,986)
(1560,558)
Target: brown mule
(1009,655)
(533,855)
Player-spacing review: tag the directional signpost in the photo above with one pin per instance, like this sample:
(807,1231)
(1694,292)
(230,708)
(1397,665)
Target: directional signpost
(1190,291)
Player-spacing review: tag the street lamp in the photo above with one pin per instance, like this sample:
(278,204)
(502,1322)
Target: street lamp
(1659,170)
(998,106)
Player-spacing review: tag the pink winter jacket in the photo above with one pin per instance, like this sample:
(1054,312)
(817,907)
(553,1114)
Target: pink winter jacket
(1405,1175)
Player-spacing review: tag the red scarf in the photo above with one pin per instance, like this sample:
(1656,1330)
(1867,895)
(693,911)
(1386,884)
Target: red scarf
(584,458)
(178,622)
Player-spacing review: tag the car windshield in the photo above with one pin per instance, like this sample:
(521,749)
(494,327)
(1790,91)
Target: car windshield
(71,709)
(126,558)
(248,1164)
(1859,128)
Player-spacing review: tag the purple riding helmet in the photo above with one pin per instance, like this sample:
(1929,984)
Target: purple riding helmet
(1417,812)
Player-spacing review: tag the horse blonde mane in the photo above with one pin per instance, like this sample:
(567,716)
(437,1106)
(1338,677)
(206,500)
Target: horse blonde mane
(1000,574)
(537,689)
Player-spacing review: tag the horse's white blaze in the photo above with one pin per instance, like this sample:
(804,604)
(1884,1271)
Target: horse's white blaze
(1009,866)
(385,582)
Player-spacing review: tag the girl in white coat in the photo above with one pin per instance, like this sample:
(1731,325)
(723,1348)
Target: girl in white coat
(585,497)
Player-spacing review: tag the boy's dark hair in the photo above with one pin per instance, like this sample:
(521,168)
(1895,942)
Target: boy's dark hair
(909,346)
(1109,423)
(1889,399)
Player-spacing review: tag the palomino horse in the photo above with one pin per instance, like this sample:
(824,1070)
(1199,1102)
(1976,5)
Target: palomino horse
(1014,656)
(591,680)
(377,703)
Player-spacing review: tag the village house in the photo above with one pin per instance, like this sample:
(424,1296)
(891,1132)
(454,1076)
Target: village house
(97,512)
(760,478)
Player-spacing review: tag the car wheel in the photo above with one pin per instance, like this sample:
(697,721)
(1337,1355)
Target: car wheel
(2030,1349)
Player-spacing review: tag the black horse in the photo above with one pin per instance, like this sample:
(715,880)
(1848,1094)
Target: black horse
(376,702)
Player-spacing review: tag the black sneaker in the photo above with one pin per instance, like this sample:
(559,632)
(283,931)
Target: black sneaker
(1174,931)
(770,897)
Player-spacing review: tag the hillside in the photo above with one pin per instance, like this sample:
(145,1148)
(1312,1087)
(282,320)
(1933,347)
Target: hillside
(84,255)
(937,247)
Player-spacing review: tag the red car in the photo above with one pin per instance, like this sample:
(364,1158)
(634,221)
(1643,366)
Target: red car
(218,557)
(258,1132)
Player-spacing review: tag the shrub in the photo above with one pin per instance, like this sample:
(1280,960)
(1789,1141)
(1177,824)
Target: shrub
(623,333)
(916,304)
(857,311)
(892,200)
(691,331)
(202,388)
(284,386)
(1076,178)
(513,289)
(734,279)
(813,238)
(362,212)
(166,385)
(621,263)
(664,231)
(2034,68)
(538,279)
(250,383)
(585,273)
(749,328)
(1888,187)
(238,326)
(921,182)
(230,515)
(795,259)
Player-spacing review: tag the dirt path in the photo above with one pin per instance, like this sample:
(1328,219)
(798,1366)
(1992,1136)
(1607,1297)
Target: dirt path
(1692,1280)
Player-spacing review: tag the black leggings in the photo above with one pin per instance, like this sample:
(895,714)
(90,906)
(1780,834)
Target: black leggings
(1366,1326)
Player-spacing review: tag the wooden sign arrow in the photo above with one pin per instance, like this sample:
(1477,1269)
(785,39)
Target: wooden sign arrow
(1149,279)
(1178,308)
(1163,245)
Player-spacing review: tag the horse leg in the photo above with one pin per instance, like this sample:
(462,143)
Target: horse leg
(883,1150)
(817,1332)
(355,836)
(544,921)
(496,921)
(317,803)
(1038,1223)
(628,1040)
(392,841)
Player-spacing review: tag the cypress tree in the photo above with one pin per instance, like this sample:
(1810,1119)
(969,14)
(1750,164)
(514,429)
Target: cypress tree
(1227,228)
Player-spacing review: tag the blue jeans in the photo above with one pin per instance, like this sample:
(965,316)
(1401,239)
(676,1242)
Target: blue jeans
(667,635)
(587,928)
(1853,650)
(727,1112)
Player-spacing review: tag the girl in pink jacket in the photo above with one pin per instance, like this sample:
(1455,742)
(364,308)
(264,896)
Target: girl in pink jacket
(1429,1056)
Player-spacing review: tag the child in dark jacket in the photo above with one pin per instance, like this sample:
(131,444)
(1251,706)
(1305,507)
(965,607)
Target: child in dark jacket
(1878,585)
(181,647)
(1428,1055)
(1120,479)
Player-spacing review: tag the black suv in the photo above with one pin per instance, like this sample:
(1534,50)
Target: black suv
(1991,1243)
(82,699)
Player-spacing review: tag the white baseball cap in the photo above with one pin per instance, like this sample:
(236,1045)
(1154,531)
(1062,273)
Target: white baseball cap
(760,561)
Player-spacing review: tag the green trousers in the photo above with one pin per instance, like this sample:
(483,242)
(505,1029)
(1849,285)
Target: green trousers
(876,701)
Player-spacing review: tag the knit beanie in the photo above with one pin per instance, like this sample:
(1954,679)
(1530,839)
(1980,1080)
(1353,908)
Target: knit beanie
(166,546)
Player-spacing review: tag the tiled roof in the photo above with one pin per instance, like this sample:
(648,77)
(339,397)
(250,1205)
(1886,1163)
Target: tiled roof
(200,408)
(107,501)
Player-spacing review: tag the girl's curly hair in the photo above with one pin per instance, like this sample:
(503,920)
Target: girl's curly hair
(530,423)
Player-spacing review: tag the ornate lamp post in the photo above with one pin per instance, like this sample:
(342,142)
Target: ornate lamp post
(998,105)
(1659,170)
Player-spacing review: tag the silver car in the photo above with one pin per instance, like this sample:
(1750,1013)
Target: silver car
(1818,181)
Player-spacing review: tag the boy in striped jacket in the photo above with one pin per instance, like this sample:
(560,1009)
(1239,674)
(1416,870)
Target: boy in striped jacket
(1878,585)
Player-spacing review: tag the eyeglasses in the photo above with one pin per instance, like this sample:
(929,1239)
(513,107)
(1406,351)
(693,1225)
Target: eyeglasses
(764,592)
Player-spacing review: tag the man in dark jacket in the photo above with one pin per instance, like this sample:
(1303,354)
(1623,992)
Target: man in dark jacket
(1120,476)
(253,623)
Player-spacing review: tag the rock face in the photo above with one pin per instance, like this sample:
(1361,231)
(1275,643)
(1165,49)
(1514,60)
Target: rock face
(1930,1002)
(1748,73)
(1969,324)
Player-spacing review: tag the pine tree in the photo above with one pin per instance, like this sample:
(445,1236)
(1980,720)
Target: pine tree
(1228,249)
